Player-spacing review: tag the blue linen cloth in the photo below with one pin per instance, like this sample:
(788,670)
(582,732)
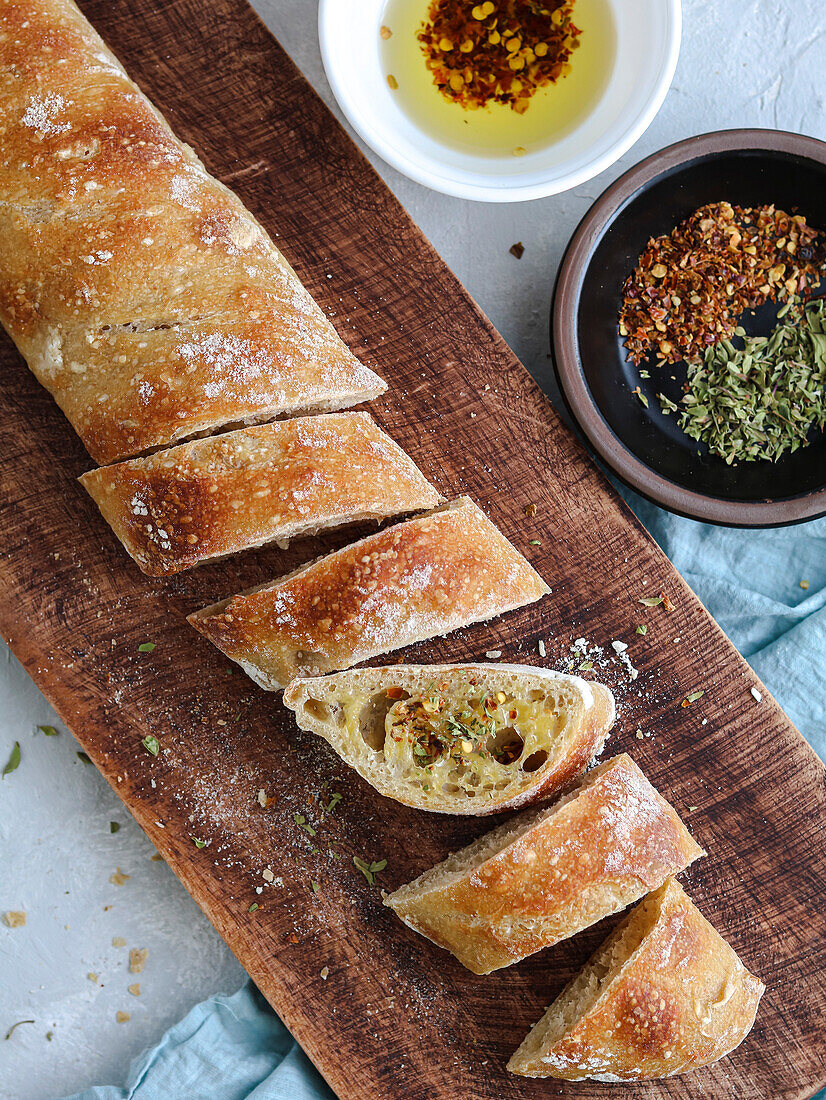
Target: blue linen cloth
(236,1048)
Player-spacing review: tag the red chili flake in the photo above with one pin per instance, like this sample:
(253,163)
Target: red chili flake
(497,53)
(690,287)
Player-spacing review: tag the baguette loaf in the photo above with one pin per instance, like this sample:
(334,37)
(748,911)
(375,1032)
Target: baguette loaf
(663,995)
(460,739)
(271,483)
(141,292)
(416,580)
(551,872)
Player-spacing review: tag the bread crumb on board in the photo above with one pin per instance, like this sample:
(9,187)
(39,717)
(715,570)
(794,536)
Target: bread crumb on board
(14,918)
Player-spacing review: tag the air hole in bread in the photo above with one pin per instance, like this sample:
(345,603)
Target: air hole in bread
(318,710)
(506,745)
(535,761)
(373,714)
(535,695)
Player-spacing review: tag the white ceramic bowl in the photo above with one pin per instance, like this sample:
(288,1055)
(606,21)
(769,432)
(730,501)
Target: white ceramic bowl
(647,47)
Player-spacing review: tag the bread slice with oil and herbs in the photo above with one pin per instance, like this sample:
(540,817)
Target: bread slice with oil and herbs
(664,994)
(551,872)
(418,579)
(459,739)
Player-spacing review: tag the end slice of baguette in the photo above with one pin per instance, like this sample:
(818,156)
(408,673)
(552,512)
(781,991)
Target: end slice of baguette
(549,873)
(664,994)
(460,739)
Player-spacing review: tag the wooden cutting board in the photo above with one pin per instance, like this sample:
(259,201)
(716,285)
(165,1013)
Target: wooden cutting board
(383,1013)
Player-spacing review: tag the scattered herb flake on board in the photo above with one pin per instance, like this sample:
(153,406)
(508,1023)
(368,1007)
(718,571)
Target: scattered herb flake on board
(198,842)
(370,870)
(151,744)
(84,757)
(586,666)
(253,907)
(114,826)
(13,1027)
(13,761)
(315,887)
(335,798)
(302,823)
(146,647)
(535,542)
(641,396)
(690,287)
(48,731)
(642,629)
(650,601)
(517,250)
(692,698)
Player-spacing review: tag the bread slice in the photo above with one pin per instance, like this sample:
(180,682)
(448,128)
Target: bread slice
(142,293)
(551,872)
(416,580)
(663,995)
(460,739)
(271,483)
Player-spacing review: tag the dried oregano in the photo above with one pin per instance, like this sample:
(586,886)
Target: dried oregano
(761,399)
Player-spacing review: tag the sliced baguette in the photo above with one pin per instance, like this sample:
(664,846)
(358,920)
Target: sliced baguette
(663,995)
(551,872)
(537,731)
(415,580)
(271,483)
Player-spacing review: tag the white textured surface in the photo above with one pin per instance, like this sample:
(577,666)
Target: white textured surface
(744,63)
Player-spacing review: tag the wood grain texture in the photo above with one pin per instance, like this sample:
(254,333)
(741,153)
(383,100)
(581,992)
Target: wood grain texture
(395,1017)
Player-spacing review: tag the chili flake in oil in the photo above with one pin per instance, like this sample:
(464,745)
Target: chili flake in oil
(498,52)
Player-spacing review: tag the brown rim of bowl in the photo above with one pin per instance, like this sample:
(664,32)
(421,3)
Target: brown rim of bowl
(571,377)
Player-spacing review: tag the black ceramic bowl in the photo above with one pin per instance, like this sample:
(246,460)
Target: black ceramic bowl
(645,448)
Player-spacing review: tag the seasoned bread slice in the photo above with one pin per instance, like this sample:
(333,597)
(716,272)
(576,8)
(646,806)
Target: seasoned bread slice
(551,872)
(663,995)
(459,739)
(416,580)
(270,483)
(142,293)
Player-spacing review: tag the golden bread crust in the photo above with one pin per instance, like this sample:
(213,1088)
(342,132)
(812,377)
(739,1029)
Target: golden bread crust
(143,295)
(683,1000)
(226,493)
(584,713)
(602,847)
(412,581)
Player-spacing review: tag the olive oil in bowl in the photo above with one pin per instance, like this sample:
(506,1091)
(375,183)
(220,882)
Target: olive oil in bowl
(496,129)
